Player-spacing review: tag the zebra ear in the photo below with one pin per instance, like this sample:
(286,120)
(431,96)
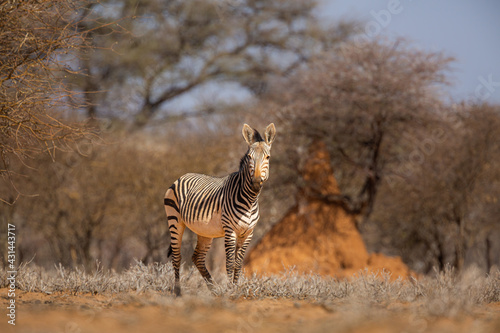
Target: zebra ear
(248,134)
(270,134)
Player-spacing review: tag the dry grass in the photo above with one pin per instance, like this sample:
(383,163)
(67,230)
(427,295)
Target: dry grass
(141,298)
(447,293)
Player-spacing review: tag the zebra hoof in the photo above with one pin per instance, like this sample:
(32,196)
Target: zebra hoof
(212,289)
(211,286)
(177,291)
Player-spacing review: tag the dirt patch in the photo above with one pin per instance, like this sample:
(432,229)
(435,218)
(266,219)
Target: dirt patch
(319,237)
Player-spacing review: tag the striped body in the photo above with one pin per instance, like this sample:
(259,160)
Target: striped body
(214,207)
(205,201)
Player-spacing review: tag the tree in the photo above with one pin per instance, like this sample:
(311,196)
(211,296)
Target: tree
(444,210)
(359,100)
(165,49)
(36,39)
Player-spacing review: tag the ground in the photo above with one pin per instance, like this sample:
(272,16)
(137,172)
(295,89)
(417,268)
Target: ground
(155,311)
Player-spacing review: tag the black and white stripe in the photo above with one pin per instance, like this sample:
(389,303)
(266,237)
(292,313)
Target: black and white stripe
(215,207)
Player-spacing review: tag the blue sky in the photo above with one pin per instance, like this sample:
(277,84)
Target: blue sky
(464,29)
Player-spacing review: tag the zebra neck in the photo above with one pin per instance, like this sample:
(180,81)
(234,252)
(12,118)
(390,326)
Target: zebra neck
(244,187)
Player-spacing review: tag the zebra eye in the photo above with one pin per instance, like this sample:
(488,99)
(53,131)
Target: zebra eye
(268,157)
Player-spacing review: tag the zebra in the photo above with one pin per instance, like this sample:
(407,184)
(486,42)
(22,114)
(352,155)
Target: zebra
(214,207)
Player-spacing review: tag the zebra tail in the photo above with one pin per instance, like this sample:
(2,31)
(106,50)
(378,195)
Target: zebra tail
(169,251)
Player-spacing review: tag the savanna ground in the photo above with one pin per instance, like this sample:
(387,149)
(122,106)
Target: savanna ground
(140,299)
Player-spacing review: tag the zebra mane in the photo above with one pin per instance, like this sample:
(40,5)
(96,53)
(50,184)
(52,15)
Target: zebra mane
(243,161)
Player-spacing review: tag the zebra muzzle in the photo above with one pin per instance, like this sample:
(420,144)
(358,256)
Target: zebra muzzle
(257,184)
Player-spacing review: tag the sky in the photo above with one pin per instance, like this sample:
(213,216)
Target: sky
(467,30)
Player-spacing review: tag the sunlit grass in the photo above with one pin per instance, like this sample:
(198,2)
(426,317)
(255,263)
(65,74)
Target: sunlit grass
(446,293)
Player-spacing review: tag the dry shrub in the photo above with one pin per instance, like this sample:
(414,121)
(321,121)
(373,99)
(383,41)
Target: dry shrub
(106,203)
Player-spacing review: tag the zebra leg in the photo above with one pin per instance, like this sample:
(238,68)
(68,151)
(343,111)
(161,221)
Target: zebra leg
(199,255)
(241,245)
(176,227)
(176,232)
(230,247)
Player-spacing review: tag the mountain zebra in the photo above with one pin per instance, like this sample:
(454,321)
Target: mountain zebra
(220,207)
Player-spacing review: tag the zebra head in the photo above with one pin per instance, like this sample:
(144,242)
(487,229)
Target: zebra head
(258,154)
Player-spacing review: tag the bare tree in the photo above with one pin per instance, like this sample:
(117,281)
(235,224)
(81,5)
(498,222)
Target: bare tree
(35,39)
(359,101)
(165,49)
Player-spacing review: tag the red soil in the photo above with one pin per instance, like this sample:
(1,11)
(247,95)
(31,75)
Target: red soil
(319,237)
